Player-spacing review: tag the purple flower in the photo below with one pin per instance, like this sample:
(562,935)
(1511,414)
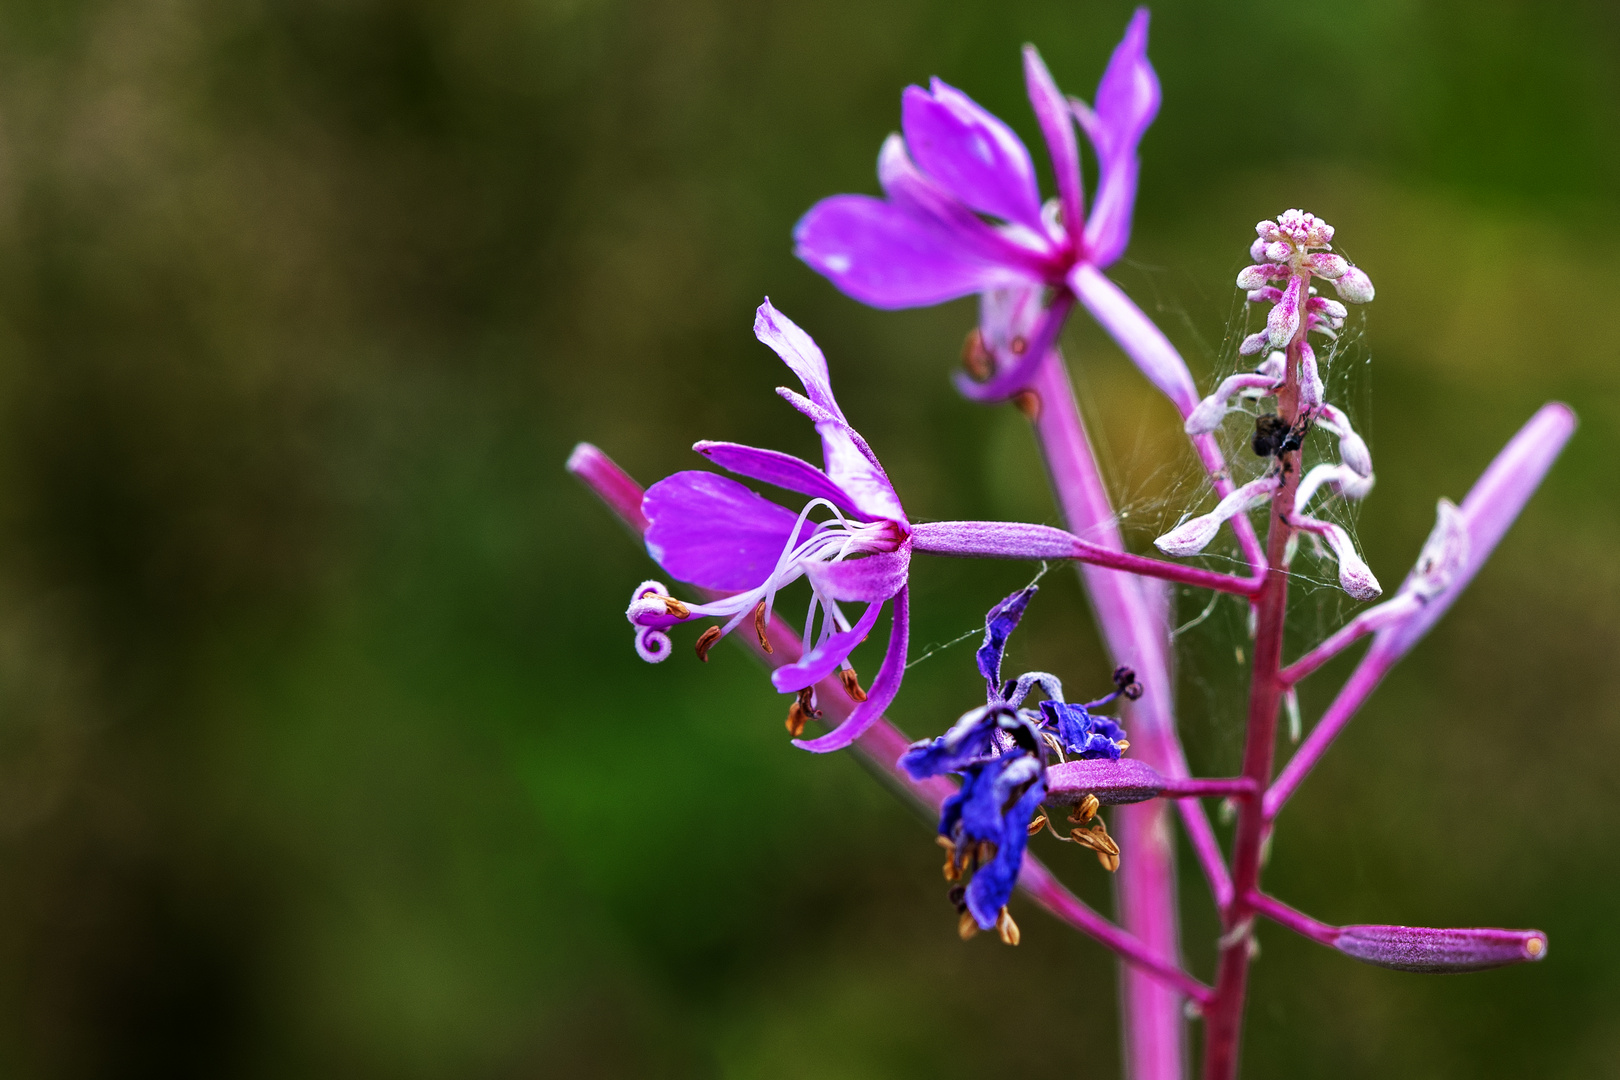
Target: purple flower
(999,751)
(1082,734)
(720,535)
(964,216)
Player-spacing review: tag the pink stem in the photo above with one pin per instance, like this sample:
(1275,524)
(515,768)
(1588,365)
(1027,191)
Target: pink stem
(1368,674)
(1133,634)
(883,743)
(1223,1024)
(1193,787)
(1013,540)
(1297,921)
(1038,881)
(1342,638)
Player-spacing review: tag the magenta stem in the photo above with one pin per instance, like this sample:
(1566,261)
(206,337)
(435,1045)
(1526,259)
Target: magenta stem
(1006,540)
(1368,674)
(1297,921)
(1134,633)
(1341,639)
(1038,881)
(1223,1026)
(1193,787)
(883,743)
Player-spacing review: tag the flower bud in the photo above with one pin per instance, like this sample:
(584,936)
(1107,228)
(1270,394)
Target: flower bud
(1283,322)
(1253,343)
(1310,379)
(1325,265)
(1354,286)
(1194,534)
(1253,277)
(1422,949)
(1112,782)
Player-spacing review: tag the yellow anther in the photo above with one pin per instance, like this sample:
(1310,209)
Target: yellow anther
(975,357)
(966,926)
(676,608)
(759,628)
(1085,810)
(852,684)
(1006,927)
(706,641)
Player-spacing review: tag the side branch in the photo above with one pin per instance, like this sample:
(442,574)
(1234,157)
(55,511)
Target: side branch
(1014,540)
(883,743)
(1422,949)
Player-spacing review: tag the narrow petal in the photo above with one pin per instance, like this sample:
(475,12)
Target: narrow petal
(851,465)
(971,153)
(1127,102)
(881,694)
(890,256)
(777,468)
(999,623)
(712,531)
(825,658)
(992,885)
(1057,125)
(1143,342)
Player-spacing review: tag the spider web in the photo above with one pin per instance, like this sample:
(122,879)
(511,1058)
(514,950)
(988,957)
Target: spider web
(1153,493)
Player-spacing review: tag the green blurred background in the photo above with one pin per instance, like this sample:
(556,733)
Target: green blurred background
(323,747)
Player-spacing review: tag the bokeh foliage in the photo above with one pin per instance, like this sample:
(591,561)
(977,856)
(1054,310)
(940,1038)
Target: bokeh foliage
(323,748)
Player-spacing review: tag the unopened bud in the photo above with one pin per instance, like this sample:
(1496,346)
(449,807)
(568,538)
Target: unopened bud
(1422,949)
(1102,782)
(1354,286)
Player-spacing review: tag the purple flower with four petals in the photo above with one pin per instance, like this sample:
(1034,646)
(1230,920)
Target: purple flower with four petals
(718,534)
(964,216)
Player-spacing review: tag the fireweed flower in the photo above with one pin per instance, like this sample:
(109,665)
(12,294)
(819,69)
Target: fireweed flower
(963,214)
(720,535)
(1000,752)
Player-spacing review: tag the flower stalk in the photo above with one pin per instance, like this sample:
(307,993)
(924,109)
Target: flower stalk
(961,216)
